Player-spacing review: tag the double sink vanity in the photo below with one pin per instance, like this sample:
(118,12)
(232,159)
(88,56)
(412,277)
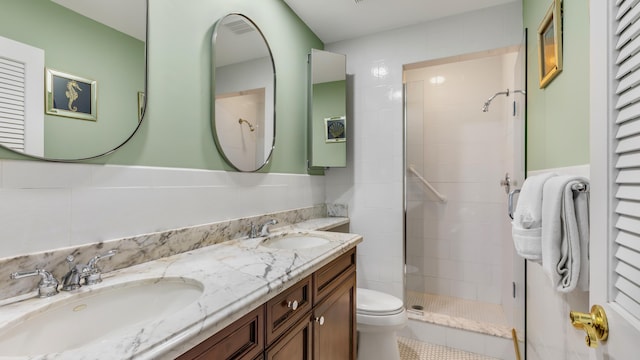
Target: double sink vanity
(245,298)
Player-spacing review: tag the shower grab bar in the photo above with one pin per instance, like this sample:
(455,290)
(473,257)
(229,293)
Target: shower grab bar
(441,198)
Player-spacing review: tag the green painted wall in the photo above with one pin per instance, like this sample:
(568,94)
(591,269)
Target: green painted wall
(558,115)
(176,131)
(79,46)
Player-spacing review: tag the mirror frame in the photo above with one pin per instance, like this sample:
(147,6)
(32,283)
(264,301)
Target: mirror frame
(214,37)
(143,110)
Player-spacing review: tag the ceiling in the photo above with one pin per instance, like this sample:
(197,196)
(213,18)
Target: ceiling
(335,20)
(330,20)
(127,16)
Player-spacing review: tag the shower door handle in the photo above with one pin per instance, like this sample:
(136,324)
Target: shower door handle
(510,205)
(506,183)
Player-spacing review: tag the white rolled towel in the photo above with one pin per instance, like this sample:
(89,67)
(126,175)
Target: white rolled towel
(526,227)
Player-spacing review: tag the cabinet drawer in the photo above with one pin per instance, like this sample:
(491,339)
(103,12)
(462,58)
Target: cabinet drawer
(330,276)
(284,310)
(242,340)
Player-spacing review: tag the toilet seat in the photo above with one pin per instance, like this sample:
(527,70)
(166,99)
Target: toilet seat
(375,303)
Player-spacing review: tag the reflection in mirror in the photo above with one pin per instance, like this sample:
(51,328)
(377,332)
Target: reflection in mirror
(244,83)
(327,110)
(94,57)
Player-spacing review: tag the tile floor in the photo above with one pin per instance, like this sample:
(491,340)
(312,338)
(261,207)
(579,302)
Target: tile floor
(458,313)
(415,350)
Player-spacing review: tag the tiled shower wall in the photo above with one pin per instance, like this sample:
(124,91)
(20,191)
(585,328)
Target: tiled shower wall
(455,248)
(372,183)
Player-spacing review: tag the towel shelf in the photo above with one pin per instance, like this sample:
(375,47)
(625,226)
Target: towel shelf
(579,187)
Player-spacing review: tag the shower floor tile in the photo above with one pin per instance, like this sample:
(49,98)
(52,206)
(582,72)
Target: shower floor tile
(458,313)
(415,350)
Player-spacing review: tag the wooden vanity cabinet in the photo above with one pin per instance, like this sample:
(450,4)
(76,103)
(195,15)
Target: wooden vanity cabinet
(321,327)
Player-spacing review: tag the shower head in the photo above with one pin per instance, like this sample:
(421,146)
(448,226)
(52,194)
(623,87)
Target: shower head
(485,107)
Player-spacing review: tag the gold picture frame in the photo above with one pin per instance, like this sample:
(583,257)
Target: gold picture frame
(550,44)
(71,96)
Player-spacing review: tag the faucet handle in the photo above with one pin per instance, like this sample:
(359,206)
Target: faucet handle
(48,285)
(94,272)
(95,259)
(265,227)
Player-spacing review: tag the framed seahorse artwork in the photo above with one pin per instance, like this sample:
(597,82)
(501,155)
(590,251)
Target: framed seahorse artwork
(71,96)
(336,129)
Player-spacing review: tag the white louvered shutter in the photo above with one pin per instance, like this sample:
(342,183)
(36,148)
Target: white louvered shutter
(12,104)
(21,97)
(626,279)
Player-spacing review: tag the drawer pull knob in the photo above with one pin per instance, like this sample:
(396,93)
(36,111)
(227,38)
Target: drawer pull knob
(293,305)
(320,320)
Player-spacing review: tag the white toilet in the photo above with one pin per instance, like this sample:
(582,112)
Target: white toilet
(378,316)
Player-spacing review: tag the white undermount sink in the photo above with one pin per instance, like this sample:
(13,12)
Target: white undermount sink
(294,241)
(92,316)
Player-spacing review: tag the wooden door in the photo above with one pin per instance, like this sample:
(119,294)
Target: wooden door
(615,180)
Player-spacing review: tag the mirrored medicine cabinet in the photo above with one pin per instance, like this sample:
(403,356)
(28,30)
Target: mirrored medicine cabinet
(92,62)
(327,121)
(243,104)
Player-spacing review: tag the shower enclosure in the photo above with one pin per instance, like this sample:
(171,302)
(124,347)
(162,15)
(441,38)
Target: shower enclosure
(461,272)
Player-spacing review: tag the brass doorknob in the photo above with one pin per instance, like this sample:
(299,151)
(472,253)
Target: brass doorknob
(594,324)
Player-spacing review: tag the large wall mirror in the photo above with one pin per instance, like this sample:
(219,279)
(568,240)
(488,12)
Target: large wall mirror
(243,79)
(327,109)
(90,57)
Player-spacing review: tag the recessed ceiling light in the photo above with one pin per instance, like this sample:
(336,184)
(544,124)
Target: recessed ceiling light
(437,80)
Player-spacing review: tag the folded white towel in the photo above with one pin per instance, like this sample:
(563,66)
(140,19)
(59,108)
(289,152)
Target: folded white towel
(527,219)
(565,233)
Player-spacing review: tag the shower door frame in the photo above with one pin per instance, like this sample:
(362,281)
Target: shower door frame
(522,51)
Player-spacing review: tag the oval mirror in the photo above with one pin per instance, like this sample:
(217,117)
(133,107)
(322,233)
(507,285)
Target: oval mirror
(72,76)
(243,77)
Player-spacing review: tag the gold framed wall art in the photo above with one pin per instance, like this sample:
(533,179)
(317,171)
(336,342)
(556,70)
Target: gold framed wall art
(550,44)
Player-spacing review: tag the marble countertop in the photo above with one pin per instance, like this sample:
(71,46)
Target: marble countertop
(236,276)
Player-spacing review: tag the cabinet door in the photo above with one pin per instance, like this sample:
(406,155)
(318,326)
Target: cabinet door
(295,345)
(334,328)
(242,340)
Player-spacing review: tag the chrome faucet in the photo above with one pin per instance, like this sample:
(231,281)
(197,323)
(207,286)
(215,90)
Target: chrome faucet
(71,280)
(48,286)
(91,273)
(264,229)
